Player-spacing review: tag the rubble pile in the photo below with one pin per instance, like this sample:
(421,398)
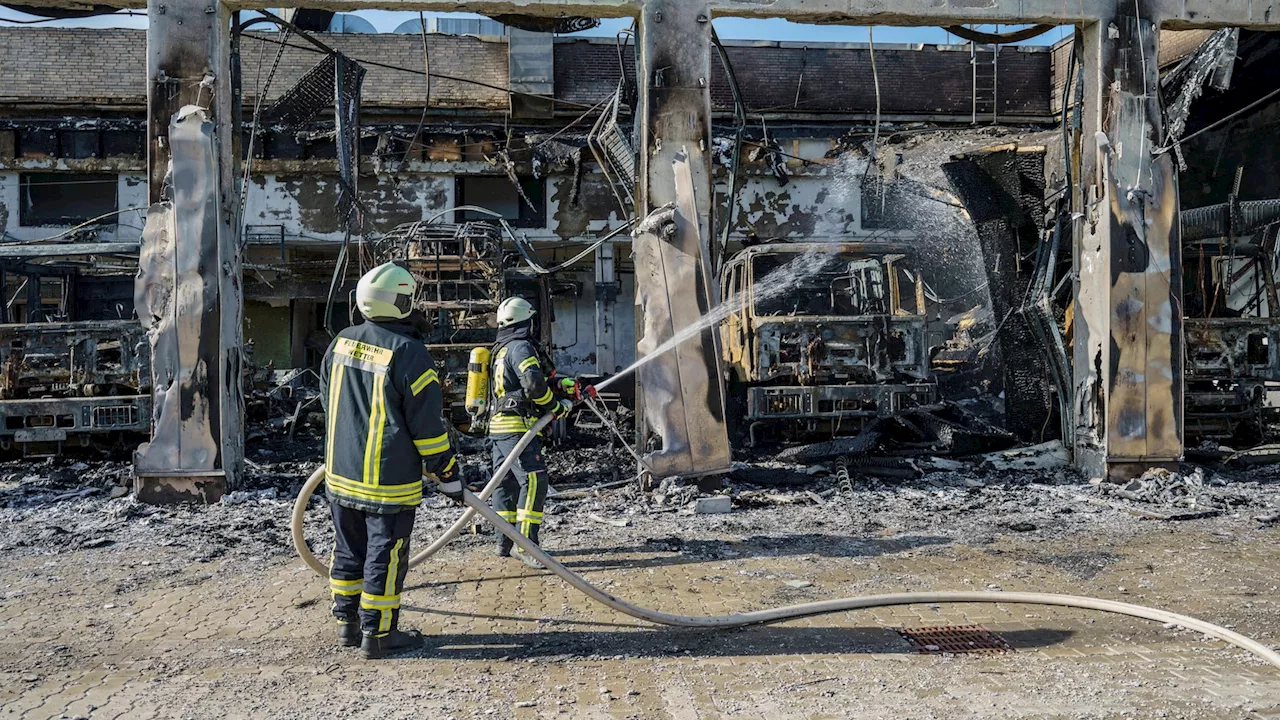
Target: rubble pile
(1190,490)
(892,482)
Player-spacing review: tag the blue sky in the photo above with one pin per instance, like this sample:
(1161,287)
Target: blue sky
(729,28)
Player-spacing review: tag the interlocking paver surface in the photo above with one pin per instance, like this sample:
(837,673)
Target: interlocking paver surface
(85,635)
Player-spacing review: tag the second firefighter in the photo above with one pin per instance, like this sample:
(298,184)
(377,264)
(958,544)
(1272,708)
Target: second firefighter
(521,394)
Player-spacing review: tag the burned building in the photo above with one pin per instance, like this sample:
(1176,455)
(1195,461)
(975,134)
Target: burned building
(805,150)
(788,165)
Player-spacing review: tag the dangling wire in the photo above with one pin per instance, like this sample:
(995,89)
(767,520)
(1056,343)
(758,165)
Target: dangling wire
(426,73)
(261,91)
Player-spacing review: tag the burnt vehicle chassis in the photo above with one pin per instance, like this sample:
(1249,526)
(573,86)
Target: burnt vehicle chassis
(72,382)
(1232,337)
(1229,363)
(823,359)
(463,275)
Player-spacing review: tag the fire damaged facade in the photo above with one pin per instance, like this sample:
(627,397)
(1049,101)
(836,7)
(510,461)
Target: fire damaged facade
(72,149)
(930,202)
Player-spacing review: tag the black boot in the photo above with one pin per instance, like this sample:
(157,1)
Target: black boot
(397,641)
(349,633)
(525,557)
(529,560)
(504,545)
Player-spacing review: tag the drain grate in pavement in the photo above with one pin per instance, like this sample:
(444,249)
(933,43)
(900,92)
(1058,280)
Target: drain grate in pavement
(954,639)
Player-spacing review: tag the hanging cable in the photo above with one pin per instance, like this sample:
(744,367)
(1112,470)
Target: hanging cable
(875,78)
(735,160)
(1219,123)
(522,244)
(84,224)
(1142,51)
(977,36)
(38,21)
(590,249)
(260,91)
(426,72)
(335,281)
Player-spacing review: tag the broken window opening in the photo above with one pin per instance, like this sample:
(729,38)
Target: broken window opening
(499,195)
(858,287)
(65,199)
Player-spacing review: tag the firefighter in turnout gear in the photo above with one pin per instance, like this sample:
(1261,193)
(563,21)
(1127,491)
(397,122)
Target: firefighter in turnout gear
(385,435)
(521,395)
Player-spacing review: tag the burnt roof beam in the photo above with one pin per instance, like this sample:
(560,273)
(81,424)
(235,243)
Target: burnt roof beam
(1173,14)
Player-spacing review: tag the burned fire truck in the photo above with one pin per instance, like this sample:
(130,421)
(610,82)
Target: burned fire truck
(74,364)
(834,348)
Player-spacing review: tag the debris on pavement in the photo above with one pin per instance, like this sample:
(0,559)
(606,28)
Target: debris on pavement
(717,505)
(1190,490)
(1050,455)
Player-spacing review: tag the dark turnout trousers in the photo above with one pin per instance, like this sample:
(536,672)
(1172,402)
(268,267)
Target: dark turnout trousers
(522,494)
(368,566)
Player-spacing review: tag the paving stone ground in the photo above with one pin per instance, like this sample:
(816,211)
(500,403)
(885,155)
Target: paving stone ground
(83,634)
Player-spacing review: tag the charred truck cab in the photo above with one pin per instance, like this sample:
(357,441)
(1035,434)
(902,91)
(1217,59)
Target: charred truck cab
(833,350)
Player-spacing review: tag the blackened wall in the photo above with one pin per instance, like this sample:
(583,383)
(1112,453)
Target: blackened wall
(921,80)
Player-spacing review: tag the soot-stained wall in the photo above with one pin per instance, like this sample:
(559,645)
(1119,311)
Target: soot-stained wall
(304,204)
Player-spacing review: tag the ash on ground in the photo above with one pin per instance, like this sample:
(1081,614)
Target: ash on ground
(766,507)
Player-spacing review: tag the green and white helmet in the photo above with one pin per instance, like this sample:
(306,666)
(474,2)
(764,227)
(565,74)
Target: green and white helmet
(513,311)
(386,293)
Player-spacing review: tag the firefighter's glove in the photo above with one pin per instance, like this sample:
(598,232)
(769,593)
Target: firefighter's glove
(569,386)
(562,409)
(451,484)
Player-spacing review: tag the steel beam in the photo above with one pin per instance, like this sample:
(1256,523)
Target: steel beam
(606,301)
(1174,14)
(188,287)
(18,250)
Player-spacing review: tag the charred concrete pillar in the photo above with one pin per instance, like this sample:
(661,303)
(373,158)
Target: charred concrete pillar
(606,297)
(188,286)
(1128,311)
(681,392)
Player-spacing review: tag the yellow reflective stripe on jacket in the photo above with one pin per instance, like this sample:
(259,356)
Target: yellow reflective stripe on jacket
(377,423)
(546,398)
(364,352)
(335,394)
(529,362)
(428,377)
(432,446)
(510,424)
(393,494)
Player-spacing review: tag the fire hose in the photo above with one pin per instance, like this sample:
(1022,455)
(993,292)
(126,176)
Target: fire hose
(478,504)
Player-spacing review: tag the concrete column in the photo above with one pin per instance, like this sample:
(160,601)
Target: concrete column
(680,393)
(301,320)
(606,299)
(189,280)
(1128,316)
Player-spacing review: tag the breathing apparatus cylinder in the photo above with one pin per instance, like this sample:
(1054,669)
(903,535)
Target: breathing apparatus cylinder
(478,386)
